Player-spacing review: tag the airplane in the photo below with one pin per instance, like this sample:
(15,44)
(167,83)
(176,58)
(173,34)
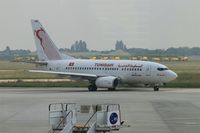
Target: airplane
(100,73)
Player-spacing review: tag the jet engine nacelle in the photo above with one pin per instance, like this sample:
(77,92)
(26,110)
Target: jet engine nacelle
(107,82)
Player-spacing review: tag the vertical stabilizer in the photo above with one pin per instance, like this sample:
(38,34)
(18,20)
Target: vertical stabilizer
(46,49)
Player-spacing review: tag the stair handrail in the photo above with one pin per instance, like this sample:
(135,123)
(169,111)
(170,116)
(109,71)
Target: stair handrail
(51,130)
(65,118)
(89,120)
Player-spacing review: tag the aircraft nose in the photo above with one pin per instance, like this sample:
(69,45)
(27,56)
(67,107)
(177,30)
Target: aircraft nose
(172,75)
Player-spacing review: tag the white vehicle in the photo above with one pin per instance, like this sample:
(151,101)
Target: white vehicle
(100,73)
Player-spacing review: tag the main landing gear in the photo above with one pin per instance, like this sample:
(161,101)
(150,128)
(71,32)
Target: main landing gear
(156,88)
(92,88)
(111,89)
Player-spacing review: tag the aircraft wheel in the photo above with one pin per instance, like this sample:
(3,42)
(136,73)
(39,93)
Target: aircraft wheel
(111,89)
(92,88)
(156,88)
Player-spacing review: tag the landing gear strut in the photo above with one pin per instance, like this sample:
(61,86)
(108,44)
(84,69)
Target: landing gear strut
(156,88)
(92,88)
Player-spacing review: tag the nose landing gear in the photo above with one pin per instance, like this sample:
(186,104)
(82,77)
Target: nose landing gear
(156,88)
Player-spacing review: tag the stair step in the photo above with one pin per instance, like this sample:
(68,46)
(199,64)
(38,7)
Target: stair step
(57,130)
(79,131)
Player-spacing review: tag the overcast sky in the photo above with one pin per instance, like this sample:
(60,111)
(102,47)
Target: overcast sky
(139,23)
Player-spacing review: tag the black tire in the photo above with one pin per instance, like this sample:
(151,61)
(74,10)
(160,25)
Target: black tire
(111,89)
(156,88)
(92,88)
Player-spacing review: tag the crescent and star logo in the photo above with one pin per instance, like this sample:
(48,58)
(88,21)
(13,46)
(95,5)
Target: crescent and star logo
(71,64)
(37,33)
(113,118)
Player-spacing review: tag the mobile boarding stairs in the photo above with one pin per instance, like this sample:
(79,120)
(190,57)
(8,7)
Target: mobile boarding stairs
(73,118)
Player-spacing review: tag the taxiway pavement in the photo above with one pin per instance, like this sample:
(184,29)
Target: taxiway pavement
(167,111)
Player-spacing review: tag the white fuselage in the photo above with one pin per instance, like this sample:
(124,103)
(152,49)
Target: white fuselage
(128,71)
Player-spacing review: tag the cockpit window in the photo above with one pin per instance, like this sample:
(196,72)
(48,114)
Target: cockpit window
(162,69)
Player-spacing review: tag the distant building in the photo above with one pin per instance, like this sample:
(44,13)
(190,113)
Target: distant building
(174,59)
(120,46)
(144,58)
(9,54)
(133,58)
(7,51)
(6,54)
(93,58)
(165,59)
(184,58)
(116,58)
(156,59)
(79,46)
(105,58)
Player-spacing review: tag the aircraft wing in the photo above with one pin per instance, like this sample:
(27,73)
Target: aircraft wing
(36,62)
(39,63)
(82,75)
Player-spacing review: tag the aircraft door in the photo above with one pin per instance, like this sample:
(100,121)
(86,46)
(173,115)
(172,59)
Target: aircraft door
(58,67)
(148,70)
